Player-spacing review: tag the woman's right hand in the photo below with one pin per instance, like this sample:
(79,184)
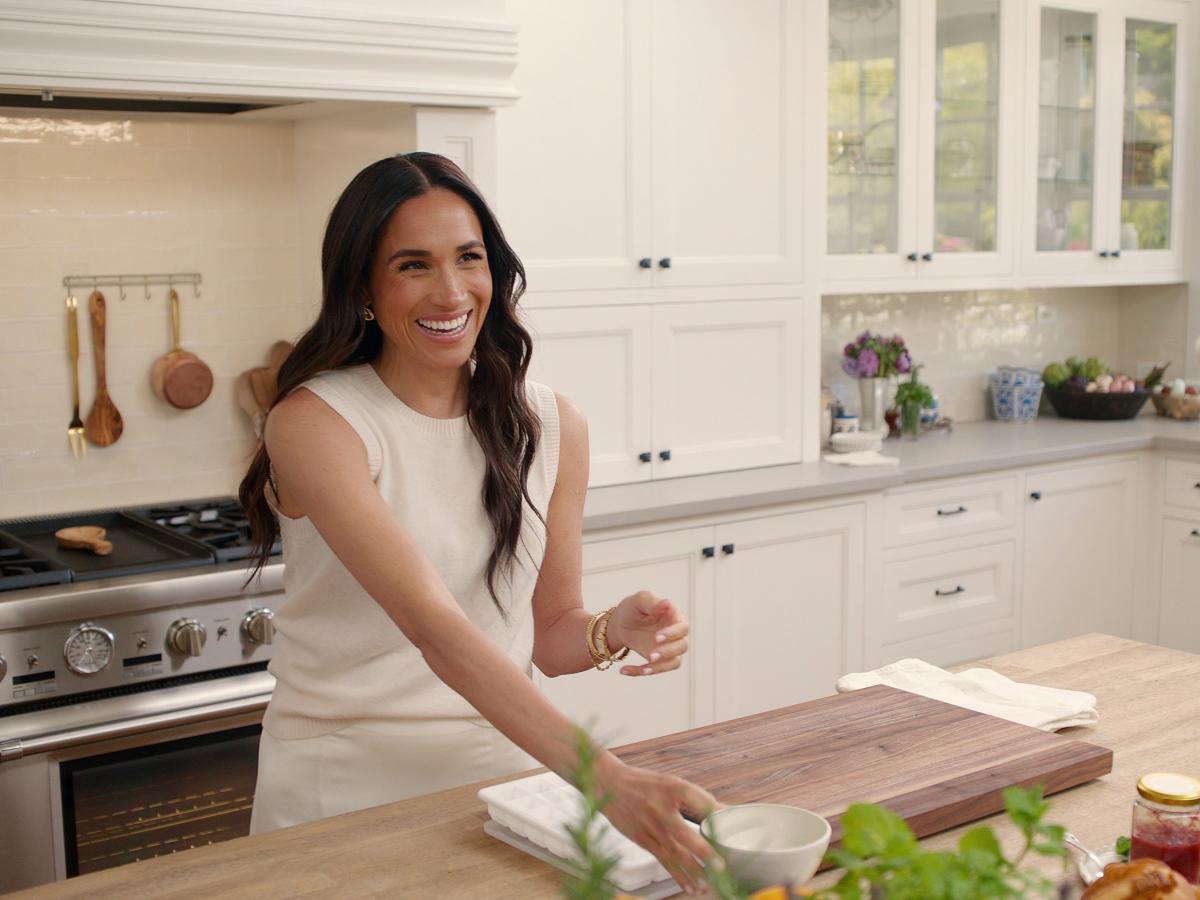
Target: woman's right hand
(645,806)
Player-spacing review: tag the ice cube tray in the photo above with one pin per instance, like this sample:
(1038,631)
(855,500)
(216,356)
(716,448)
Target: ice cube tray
(539,807)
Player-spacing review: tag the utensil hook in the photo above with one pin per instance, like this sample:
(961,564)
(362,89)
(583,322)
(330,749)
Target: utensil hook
(147,286)
(121,285)
(196,288)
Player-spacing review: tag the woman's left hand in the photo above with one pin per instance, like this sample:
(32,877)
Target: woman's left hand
(652,627)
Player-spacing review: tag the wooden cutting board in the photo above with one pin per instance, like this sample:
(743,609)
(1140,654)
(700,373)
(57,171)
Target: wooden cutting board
(934,764)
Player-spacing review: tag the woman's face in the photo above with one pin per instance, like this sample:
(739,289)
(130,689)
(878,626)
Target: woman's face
(430,281)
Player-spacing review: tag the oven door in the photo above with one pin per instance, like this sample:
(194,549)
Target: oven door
(111,781)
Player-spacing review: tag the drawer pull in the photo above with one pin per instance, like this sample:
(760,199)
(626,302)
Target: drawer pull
(1197,485)
(952,512)
(644,457)
(1196,532)
(727,549)
(938,592)
(708,552)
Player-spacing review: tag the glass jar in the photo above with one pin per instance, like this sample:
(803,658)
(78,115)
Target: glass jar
(1166,822)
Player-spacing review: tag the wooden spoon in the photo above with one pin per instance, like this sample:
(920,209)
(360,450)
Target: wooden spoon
(84,537)
(103,425)
(249,404)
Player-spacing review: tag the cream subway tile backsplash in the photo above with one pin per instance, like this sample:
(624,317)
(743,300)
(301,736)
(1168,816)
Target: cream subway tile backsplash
(97,193)
(962,336)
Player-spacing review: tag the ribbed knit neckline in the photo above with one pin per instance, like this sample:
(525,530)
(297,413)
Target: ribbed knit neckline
(374,385)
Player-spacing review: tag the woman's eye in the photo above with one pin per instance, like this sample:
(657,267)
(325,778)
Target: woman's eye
(408,266)
(471,256)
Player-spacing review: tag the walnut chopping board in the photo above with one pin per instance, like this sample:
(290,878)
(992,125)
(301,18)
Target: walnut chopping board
(934,764)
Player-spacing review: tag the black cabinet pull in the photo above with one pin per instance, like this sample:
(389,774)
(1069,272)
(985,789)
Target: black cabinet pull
(645,457)
(912,257)
(1197,485)
(1035,495)
(1116,254)
(645,262)
(952,512)
(928,257)
(727,549)
(938,592)
(665,262)
(664,455)
(1196,532)
(1104,254)
(708,552)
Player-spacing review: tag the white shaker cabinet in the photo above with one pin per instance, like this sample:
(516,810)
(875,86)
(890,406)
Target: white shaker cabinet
(1080,551)
(915,95)
(1106,85)
(678,389)
(616,708)
(1179,615)
(632,161)
(789,606)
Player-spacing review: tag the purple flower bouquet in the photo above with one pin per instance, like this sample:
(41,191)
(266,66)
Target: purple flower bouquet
(876,356)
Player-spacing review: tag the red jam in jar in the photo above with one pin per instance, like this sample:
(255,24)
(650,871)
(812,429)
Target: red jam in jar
(1166,822)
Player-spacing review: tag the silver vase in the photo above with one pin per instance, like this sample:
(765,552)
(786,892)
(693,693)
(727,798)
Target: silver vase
(874,404)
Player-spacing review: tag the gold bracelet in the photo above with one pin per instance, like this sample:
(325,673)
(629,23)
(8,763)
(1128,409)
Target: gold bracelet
(597,642)
(597,659)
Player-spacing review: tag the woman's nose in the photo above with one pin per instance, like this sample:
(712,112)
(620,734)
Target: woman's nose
(451,290)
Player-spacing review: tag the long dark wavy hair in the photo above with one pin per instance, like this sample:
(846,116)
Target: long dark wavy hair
(497,409)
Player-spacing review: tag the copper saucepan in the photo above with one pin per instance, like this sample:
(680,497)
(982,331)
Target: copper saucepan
(179,377)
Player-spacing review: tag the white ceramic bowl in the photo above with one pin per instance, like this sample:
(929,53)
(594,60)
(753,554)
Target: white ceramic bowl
(769,843)
(855,441)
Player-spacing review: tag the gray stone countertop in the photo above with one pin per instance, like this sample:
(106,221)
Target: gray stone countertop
(971,448)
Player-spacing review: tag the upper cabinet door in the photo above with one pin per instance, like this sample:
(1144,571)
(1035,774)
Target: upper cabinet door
(1146,222)
(1105,140)
(866,57)
(728,108)
(574,151)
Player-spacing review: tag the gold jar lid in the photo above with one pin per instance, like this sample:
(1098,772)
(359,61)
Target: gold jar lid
(1170,788)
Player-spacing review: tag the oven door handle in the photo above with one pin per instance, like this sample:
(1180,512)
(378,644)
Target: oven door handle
(90,734)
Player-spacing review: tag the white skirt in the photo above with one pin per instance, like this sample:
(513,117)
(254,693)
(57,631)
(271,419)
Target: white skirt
(371,763)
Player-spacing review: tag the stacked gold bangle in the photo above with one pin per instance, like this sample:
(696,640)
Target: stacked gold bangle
(597,642)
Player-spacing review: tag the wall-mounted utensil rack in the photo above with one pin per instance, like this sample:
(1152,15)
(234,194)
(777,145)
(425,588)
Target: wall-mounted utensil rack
(169,279)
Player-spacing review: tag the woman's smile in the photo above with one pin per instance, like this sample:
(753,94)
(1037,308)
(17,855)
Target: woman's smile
(445,329)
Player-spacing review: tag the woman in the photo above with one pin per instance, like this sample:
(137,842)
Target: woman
(430,502)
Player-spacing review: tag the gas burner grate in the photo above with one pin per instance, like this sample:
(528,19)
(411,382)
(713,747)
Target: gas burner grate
(21,567)
(218,523)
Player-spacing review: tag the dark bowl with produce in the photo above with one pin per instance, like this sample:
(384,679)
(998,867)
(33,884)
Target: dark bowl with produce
(1072,403)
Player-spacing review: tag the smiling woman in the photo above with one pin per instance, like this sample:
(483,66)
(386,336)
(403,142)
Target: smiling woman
(430,501)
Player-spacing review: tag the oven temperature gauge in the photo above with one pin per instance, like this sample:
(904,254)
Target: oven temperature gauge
(89,649)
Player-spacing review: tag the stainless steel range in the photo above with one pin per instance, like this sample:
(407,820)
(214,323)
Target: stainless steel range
(131,686)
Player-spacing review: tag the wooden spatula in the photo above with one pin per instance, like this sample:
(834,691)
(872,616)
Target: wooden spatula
(84,537)
(104,424)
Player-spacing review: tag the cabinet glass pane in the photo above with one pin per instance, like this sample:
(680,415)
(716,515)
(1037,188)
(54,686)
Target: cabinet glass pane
(1066,130)
(864,57)
(967,116)
(1149,130)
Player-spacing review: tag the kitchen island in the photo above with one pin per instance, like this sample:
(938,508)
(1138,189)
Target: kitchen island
(434,846)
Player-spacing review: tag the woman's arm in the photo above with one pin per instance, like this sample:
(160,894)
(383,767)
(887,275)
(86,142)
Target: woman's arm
(560,621)
(321,472)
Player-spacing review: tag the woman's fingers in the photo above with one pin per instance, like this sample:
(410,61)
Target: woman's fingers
(655,668)
(672,632)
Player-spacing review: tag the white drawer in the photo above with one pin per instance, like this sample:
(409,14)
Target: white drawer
(949,510)
(934,594)
(952,649)
(1181,483)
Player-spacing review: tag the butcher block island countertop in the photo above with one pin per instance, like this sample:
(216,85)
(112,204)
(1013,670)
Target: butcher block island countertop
(435,846)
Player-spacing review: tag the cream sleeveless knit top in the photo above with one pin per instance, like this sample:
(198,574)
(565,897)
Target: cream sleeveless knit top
(338,657)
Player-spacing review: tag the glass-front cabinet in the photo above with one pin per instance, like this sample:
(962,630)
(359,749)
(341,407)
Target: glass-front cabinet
(1103,125)
(920,97)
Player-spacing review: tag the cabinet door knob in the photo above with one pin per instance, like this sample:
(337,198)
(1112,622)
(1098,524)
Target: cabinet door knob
(665,262)
(1104,254)
(644,457)
(1035,495)
(645,262)
(1197,485)
(928,257)
(952,512)
(912,257)
(708,552)
(727,549)
(938,592)
(664,455)
(1196,532)
(1116,254)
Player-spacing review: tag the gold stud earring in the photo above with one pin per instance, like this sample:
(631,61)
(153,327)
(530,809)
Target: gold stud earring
(368,314)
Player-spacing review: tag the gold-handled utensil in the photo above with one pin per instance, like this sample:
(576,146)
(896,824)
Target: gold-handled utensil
(75,436)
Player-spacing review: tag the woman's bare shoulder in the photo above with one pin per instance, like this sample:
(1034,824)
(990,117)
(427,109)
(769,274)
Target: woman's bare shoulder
(303,422)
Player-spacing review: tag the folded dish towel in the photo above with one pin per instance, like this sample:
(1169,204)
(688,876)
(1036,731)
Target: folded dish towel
(984,691)
(861,458)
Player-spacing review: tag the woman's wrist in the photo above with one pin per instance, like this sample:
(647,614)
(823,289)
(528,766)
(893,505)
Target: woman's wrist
(613,636)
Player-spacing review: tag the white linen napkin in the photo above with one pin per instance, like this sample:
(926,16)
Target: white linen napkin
(982,690)
(861,458)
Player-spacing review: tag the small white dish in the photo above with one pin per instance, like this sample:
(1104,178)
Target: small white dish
(856,441)
(769,843)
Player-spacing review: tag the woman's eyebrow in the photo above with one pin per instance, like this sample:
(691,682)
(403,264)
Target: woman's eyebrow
(461,248)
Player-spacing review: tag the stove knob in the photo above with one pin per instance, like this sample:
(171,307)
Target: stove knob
(258,626)
(186,637)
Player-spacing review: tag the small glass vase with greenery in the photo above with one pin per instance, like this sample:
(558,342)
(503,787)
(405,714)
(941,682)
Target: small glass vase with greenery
(913,397)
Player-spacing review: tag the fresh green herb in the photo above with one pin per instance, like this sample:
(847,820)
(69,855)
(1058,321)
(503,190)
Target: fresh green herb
(589,878)
(1122,848)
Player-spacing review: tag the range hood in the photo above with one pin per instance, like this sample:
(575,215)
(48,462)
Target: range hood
(231,54)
